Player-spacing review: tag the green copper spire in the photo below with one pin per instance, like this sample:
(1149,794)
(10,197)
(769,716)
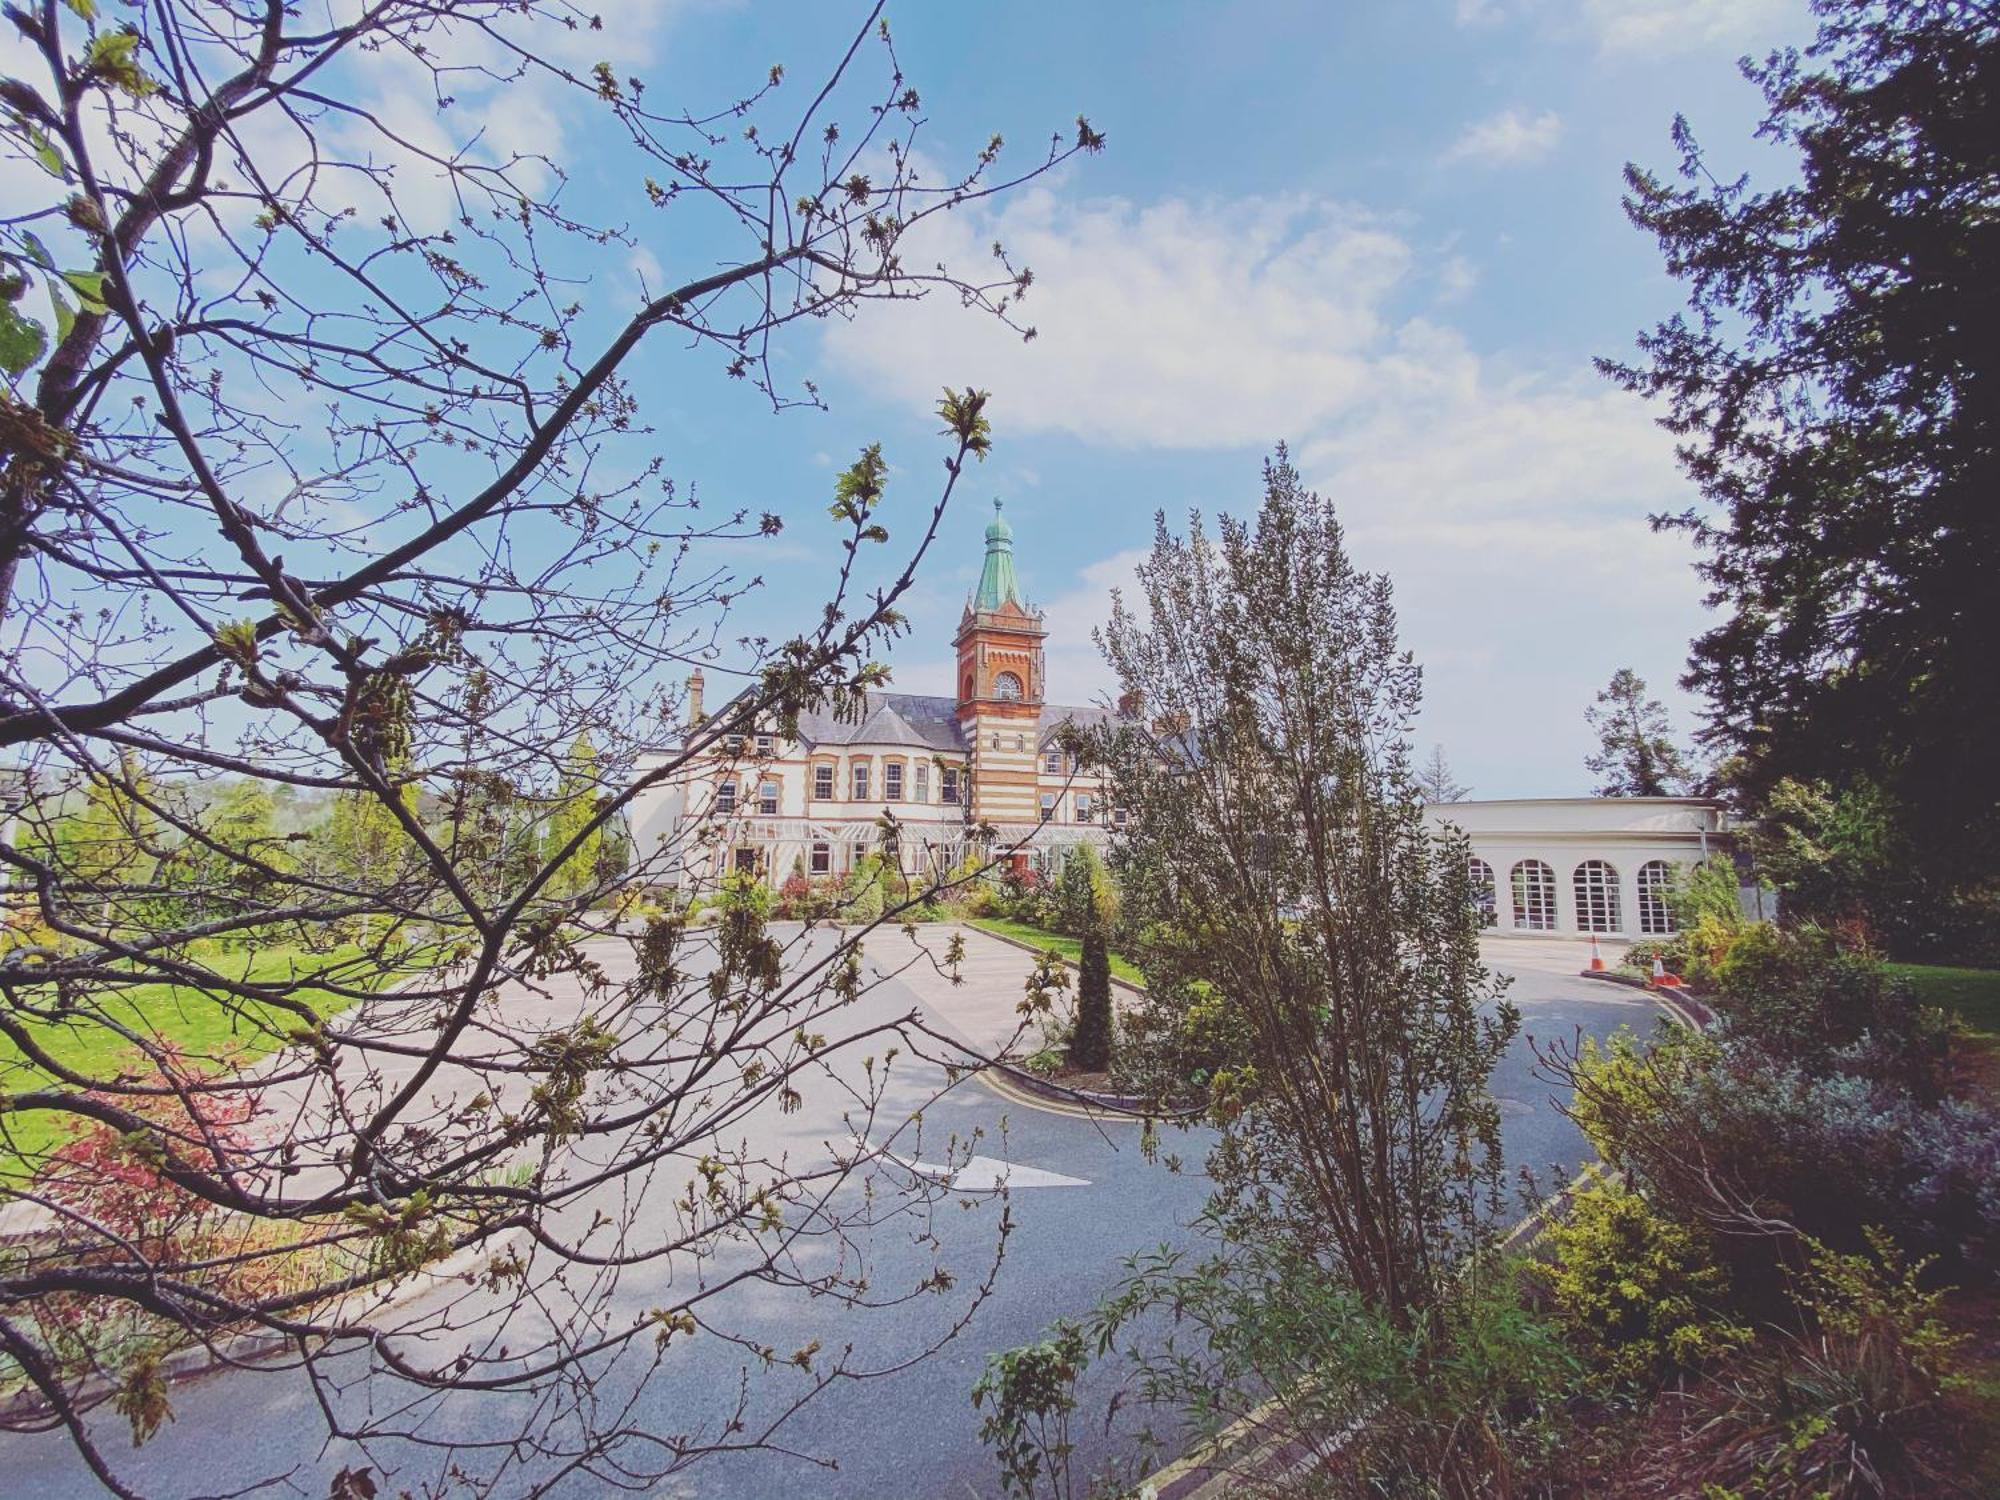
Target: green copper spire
(997,583)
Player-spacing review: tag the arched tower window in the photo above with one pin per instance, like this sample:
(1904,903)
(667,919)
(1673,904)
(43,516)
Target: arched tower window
(1596,885)
(1485,891)
(1534,893)
(966,696)
(1007,688)
(1656,917)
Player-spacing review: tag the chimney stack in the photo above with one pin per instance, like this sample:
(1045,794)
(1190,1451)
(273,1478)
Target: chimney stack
(695,714)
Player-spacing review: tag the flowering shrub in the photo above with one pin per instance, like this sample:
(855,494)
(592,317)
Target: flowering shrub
(121,1211)
(119,1180)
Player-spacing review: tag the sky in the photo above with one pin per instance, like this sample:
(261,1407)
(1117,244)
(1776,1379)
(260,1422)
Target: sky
(1389,235)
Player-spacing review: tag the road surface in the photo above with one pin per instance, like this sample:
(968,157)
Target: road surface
(1085,1197)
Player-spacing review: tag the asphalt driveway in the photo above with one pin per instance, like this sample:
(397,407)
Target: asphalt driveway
(1089,1200)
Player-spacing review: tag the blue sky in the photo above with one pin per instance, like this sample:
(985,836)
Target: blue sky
(1389,234)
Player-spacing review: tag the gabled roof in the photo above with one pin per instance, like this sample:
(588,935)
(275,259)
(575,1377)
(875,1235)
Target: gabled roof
(919,720)
(1055,715)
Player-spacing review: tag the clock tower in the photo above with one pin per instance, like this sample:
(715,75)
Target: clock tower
(1000,685)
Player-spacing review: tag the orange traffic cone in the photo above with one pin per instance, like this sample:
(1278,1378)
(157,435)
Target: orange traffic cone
(1662,978)
(1596,959)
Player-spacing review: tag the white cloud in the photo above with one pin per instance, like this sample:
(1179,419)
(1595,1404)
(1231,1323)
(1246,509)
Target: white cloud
(1632,27)
(1510,138)
(1509,506)
(1682,25)
(1184,325)
(1456,278)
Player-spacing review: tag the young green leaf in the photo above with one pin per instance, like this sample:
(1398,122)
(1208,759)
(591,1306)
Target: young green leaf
(22,341)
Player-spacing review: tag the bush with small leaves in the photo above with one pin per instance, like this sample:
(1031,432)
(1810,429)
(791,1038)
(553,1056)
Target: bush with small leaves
(1638,1294)
(1028,1394)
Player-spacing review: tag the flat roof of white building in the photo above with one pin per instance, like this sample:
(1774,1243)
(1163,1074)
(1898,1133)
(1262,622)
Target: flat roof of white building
(1533,816)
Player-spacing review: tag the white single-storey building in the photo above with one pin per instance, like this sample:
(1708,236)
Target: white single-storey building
(1581,866)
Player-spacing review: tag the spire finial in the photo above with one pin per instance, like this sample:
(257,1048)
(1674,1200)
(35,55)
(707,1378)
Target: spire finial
(996,580)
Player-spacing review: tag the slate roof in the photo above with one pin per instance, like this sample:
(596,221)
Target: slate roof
(916,719)
(1055,715)
(926,721)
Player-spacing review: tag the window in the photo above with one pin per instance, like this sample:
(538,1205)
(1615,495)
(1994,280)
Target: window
(725,797)
(822,859)
(996,742)
(1048,806)
(860,781)
(1485,893)
(823,783)
(767,799)
(1534,886)
(1656,917)
(1052,762)
(746,861)
(892,781)
(1007,688)
(766,745)
(1084,807)
(922,771)
(948,785)
(1596,885)
(1118,817)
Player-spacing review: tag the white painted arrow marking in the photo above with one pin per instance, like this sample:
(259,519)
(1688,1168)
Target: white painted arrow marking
(984,1174)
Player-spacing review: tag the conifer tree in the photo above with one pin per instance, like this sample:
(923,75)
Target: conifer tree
(1090,1044)
(1436,782)
(1831,387)
(1636,755)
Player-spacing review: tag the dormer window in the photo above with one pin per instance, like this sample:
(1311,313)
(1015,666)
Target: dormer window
(1007,688)
(766,745)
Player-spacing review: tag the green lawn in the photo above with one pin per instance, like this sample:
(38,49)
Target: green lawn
(1069,947)
(207,1030)
(1971,994)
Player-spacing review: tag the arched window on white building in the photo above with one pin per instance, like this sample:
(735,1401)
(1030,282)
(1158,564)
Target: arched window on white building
(1596,885)
(1485,891)
(1534,886)
(1656,917)
(1007,687)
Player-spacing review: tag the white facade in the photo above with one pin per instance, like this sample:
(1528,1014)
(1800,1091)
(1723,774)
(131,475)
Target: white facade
(1577,866)
(815,804)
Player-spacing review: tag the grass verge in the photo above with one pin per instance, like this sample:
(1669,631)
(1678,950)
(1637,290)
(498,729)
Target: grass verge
(1973,995)
(1069,947)
(210,1030)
